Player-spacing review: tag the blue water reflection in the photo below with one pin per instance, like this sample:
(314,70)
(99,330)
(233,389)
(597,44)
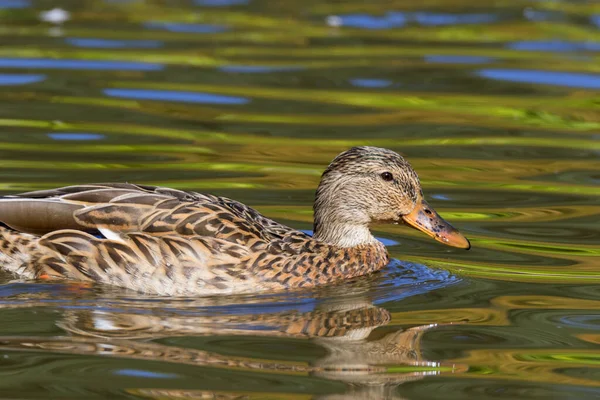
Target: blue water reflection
(186,28)
(591,321)
(437,19)
(92,43)
(138,373)
(570,79)
(8,4)
(439,196)
(394,19)
(76,136)
(178,96)
(20,79)
(388,21)
(370,83)
(47,63)
(560,46)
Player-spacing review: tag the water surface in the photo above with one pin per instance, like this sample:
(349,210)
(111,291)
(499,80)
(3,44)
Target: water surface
(495,104)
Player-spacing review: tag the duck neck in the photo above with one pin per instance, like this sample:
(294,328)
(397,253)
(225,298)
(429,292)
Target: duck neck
(340,221)
(342,235)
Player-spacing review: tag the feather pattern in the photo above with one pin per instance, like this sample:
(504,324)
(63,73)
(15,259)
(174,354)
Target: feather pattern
(172,242)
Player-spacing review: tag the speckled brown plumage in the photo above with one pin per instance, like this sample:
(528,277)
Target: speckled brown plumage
(171,242)
(175,242)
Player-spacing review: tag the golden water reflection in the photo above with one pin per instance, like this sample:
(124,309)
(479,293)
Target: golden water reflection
(373,367)
(495,104)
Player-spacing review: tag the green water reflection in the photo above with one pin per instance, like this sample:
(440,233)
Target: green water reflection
(496,105)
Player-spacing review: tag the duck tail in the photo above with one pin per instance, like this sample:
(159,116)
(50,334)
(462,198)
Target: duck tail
(17,251)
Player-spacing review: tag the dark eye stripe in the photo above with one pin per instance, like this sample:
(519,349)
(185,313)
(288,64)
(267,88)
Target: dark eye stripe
(387,176)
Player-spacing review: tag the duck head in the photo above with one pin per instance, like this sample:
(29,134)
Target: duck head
(366,185)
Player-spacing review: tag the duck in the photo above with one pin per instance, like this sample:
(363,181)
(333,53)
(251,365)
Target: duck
(170,242)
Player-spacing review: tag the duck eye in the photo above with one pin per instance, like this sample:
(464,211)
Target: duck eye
(387,176)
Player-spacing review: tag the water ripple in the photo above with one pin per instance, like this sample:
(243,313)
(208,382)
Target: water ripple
(46,63)
(571,79)
(457,59)
(495,107)
(113,44)
(166,95)
(12,4)
(554,46)
(186,28)
(20,79)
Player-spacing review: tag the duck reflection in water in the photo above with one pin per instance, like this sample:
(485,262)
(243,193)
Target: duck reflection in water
(343,329)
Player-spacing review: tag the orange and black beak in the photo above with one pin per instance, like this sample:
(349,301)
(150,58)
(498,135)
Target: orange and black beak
(425,219)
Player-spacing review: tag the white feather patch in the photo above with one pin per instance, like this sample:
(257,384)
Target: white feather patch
(111,235)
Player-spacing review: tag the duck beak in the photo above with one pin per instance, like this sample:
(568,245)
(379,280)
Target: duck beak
(427,220)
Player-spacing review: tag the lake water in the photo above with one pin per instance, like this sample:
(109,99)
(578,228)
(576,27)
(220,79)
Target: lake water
(495,103)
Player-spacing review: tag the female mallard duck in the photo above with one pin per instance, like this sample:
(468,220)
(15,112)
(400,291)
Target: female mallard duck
(170,242)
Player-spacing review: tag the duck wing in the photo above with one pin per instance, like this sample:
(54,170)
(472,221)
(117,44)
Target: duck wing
(119,208)
(156,240)
(45,211)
